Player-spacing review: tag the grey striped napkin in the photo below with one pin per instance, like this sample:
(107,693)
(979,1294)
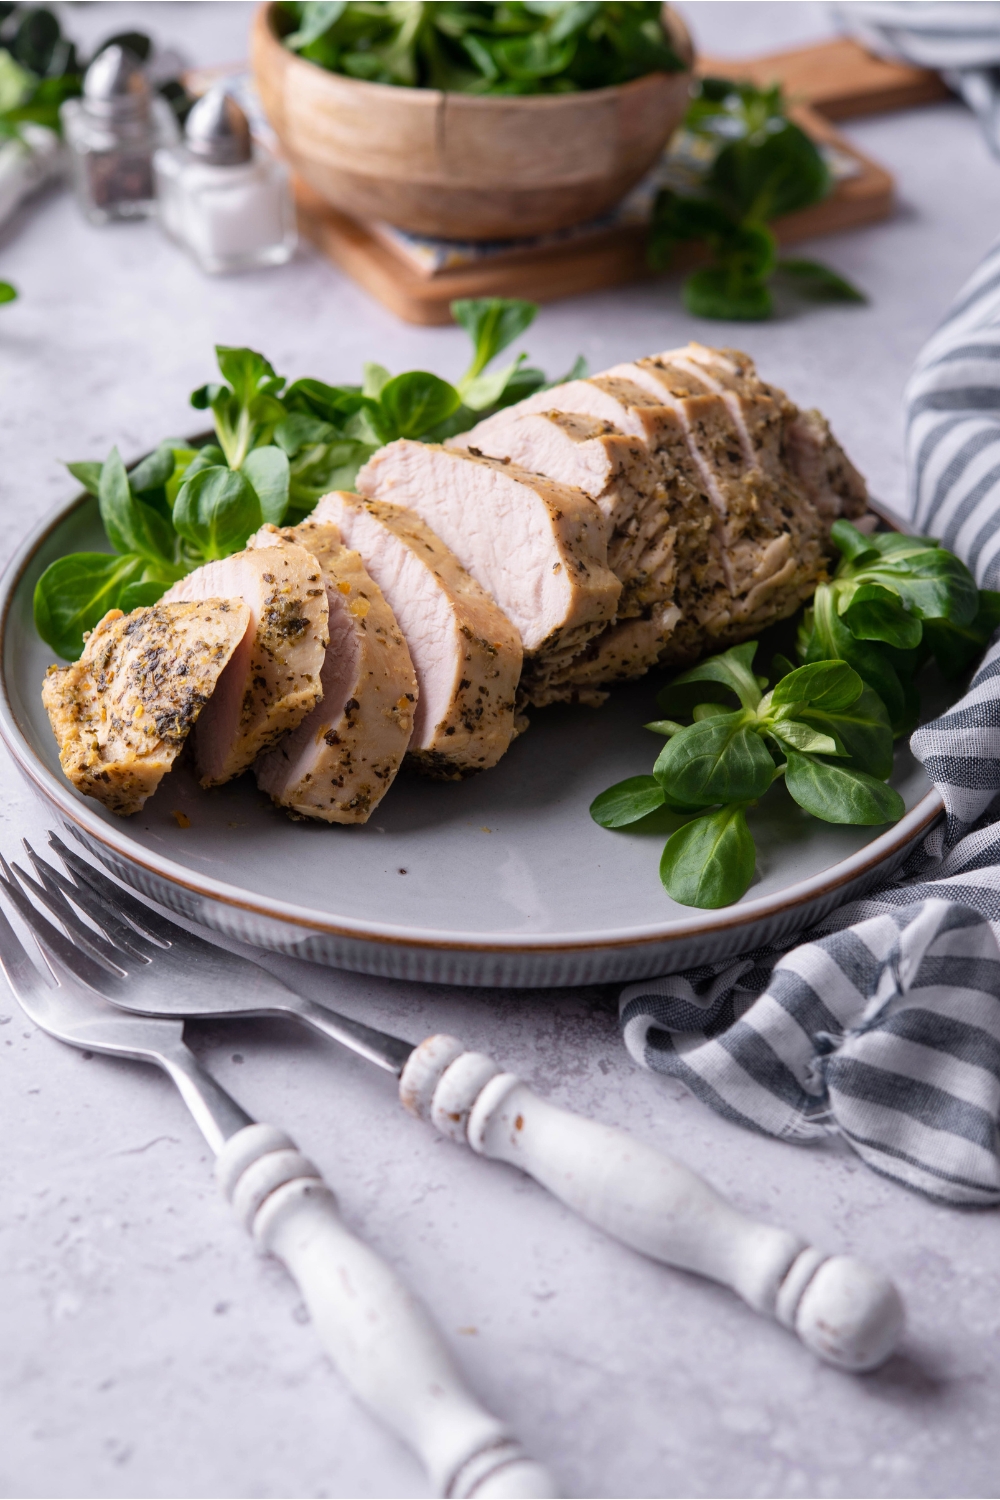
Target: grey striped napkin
(883,1026)
(959,38)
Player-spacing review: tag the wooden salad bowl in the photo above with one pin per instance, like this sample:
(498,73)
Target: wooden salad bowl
(463,166)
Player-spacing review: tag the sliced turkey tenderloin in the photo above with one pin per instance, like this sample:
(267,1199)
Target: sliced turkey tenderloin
(664,526)
(273,678)
(465,652)
(338,764)
(123,711)
(538,547)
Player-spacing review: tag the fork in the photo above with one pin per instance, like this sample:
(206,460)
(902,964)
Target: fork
(845,1311)
(379,1336)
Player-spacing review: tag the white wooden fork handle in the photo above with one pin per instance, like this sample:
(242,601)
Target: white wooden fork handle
(847,1312)
(376,1332)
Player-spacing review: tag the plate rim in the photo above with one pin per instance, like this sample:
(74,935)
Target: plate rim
(918,820)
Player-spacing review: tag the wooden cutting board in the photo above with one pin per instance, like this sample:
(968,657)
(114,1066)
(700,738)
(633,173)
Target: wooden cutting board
(838,78)
(833,80)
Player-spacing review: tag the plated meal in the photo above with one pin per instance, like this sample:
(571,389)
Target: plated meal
(653,515)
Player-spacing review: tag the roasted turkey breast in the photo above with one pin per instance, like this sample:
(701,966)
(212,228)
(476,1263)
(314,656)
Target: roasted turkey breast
(465,652)
(273,679)
(123,711)
(343,757)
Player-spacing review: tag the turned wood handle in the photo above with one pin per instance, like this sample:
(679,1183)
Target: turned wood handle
(378,1335)
(846,1311)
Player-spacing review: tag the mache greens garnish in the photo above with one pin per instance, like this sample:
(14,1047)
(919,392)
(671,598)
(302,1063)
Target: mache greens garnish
(748,164)
(278,447)
(820,729)
(826,728)
(518,47)
(893,602)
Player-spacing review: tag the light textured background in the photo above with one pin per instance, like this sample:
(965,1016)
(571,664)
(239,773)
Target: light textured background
(144,1350)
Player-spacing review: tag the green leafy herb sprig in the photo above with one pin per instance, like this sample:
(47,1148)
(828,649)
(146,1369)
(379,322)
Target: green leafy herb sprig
(518,47)
(8,293)
(278,448)
(893,602)
(40,68)
(820,729)
(751,164)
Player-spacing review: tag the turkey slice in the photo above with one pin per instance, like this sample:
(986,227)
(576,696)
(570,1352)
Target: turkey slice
(537,547)
(123,711)
(616,470)
(465,652)
(273,679)
(338,764)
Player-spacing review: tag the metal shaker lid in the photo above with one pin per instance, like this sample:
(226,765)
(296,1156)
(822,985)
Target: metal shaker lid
(216,130)
(116,86)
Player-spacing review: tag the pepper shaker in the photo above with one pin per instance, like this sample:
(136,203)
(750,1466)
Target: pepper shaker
(225,199)
(112,133)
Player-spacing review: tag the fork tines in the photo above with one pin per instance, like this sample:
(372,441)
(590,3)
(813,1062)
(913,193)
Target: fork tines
(148,922)
(127,933)
(79,948)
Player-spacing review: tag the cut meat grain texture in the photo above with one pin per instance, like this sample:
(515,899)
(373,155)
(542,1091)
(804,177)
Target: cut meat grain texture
(718,492)
(273,679)
(343,757)
(538,547)
(122,712)
(466,653)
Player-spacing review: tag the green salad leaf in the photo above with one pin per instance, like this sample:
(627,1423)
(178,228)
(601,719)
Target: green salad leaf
(415,403)
(627,801)
(130,524)
(720,759)
(75,592)
(216,510)
(710,862)
(840,794)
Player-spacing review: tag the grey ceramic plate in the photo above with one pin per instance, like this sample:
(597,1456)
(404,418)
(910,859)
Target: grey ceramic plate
(501,880)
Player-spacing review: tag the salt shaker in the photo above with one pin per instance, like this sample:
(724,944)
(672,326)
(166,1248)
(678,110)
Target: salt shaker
(112,133)
(225,199)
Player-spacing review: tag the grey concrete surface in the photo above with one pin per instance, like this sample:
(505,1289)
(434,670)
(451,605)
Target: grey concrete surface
(144,1349)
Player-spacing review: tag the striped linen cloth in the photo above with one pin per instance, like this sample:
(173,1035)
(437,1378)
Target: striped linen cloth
(883,1025)
(958,38)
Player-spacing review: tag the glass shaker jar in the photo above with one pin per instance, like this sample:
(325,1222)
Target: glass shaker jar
(112,132)
(225,199)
